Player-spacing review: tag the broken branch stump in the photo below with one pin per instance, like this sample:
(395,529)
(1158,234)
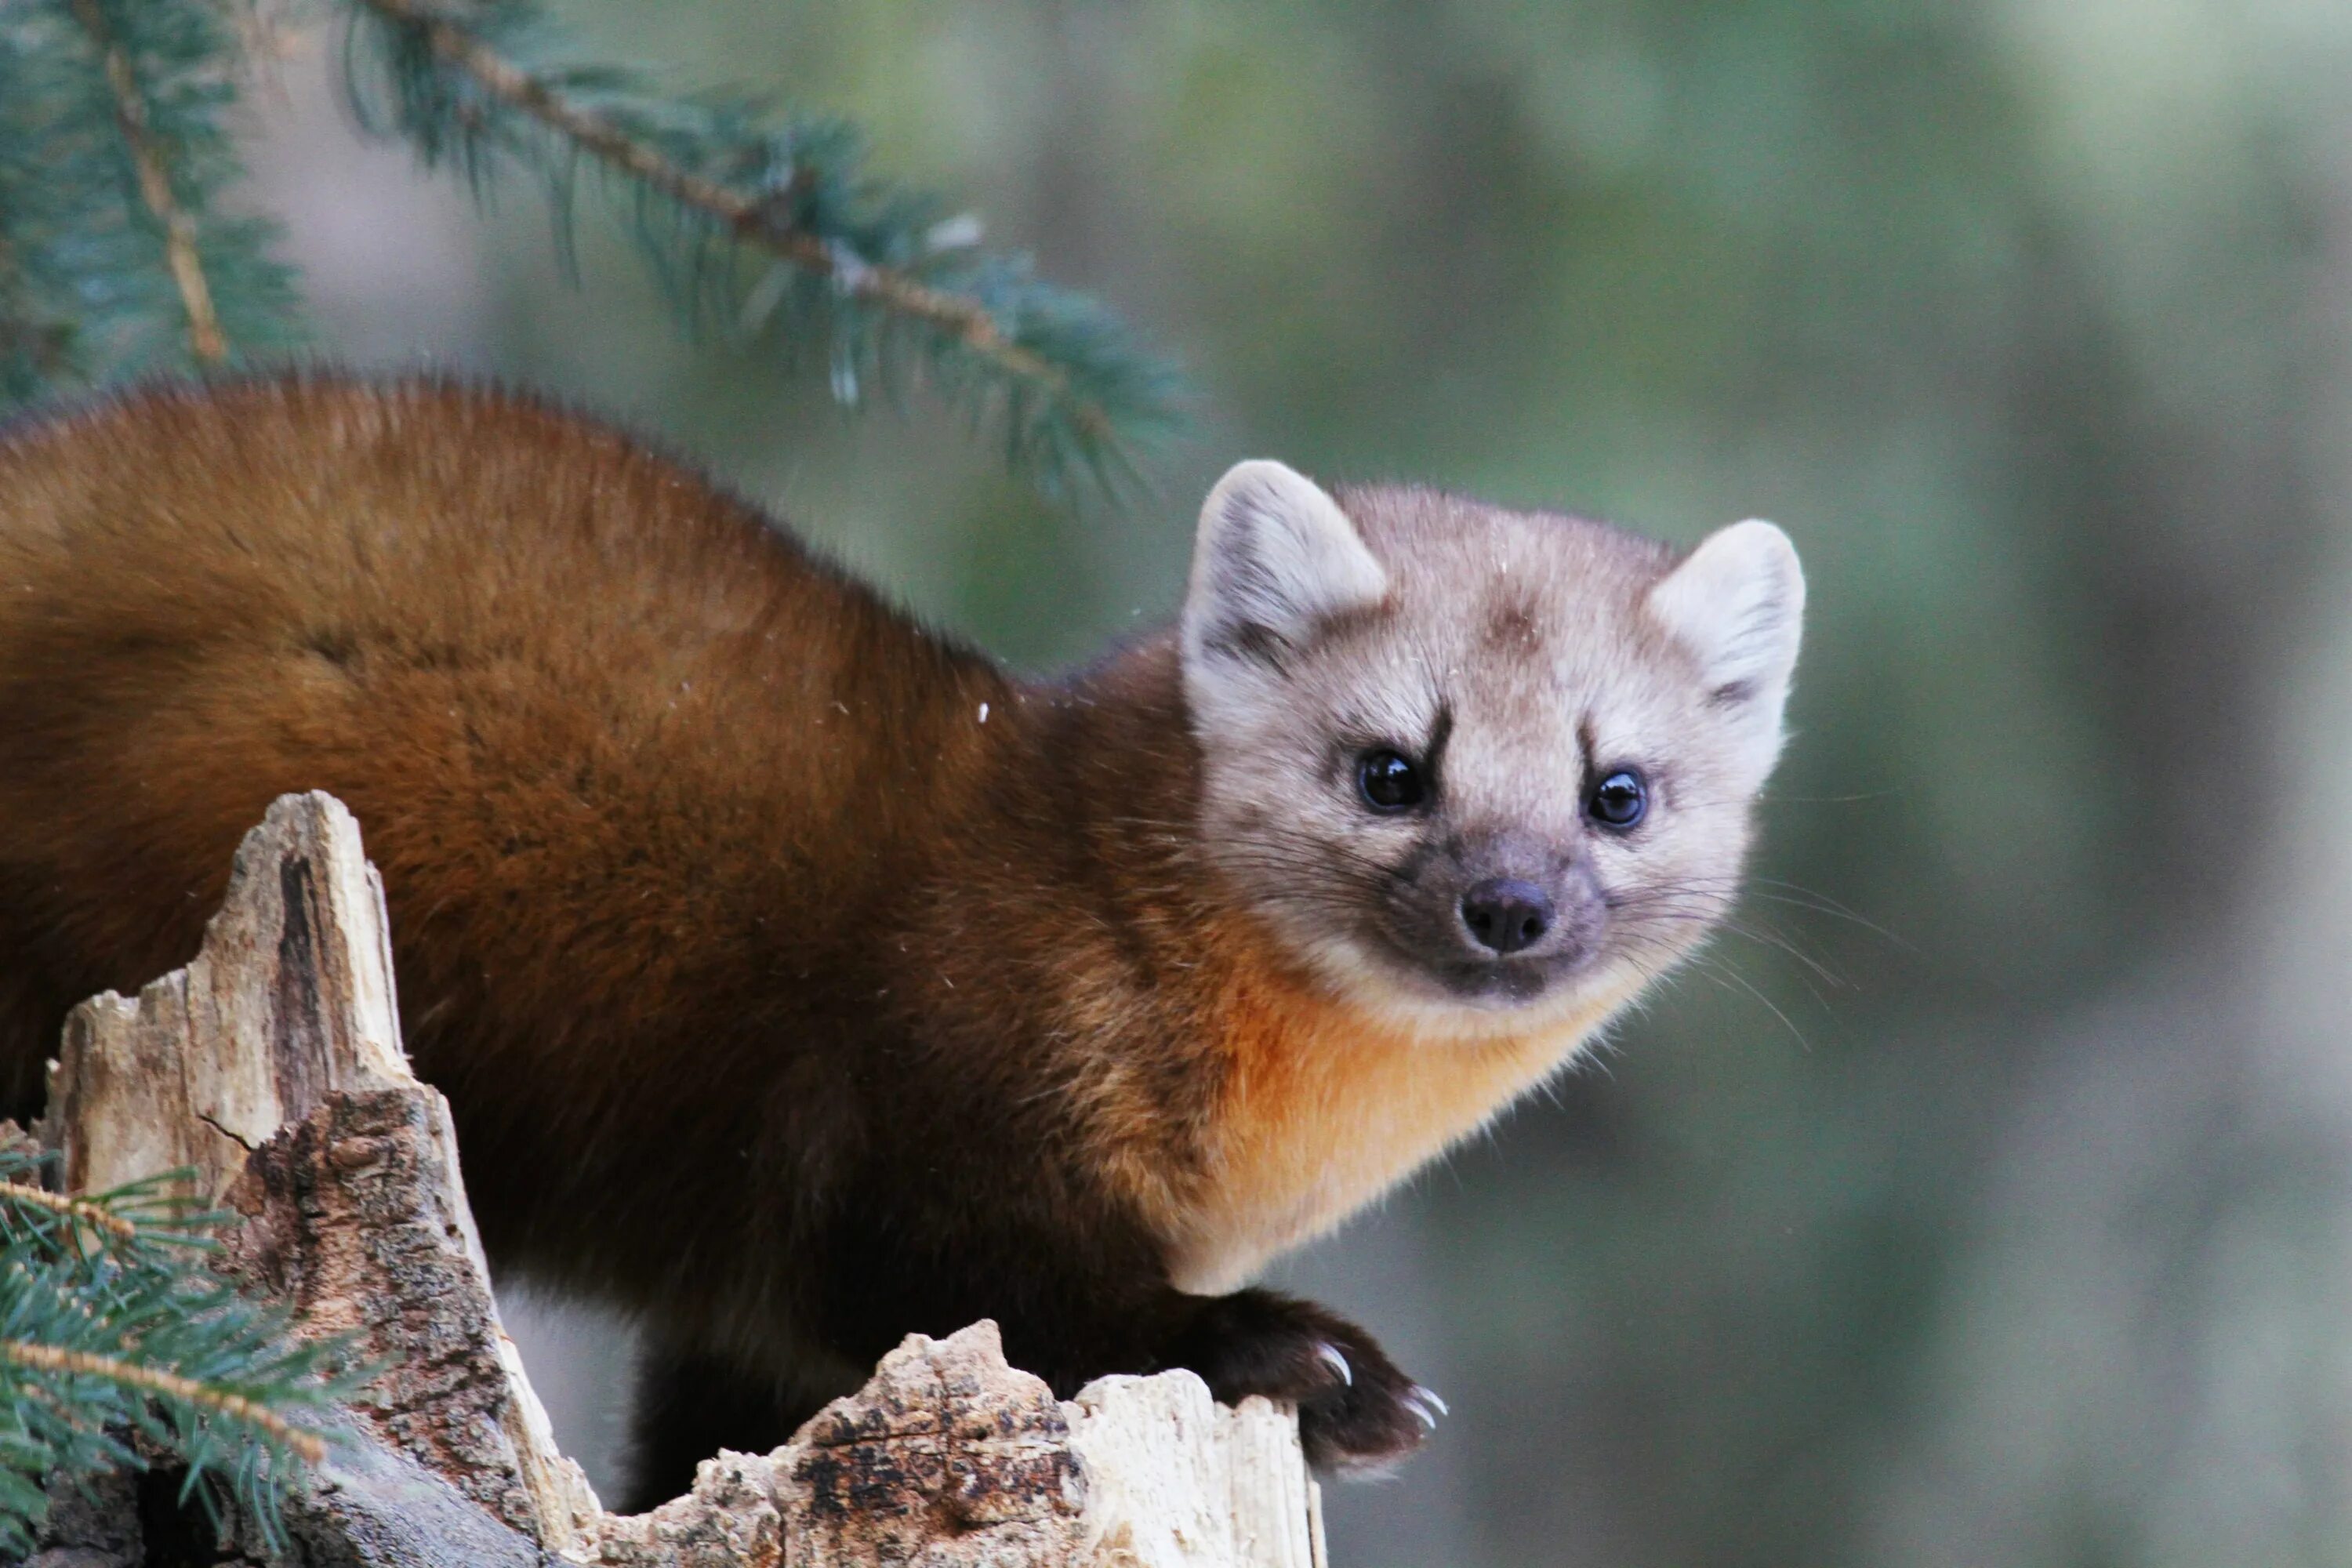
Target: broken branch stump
(272,1068)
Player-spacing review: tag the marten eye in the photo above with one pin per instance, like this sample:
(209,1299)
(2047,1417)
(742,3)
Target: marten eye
(1620,800)
(1388,780)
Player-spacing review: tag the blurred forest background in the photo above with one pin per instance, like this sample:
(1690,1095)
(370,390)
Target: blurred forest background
(2003,1218)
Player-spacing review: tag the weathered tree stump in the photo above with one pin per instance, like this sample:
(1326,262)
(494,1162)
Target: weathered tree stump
(272,1067)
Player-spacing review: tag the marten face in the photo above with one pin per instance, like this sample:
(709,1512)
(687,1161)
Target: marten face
(1475,767)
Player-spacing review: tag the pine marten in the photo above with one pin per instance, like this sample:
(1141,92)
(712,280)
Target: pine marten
(798,977)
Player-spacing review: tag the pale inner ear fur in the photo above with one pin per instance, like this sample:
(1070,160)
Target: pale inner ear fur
(1274,555)
(1737,602)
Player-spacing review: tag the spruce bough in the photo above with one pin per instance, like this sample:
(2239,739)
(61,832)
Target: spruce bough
(118,1345)
(764,227)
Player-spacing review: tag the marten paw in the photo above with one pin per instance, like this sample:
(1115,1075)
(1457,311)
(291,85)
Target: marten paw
(1356,1411)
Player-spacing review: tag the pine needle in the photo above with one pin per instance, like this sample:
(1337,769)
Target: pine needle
(760,223)
(206,340)
(111,1326)
(156,1380)
(74,1208)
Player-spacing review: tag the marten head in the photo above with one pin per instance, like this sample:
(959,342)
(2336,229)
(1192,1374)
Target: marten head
(1475,766)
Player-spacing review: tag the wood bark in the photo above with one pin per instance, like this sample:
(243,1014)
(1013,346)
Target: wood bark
(272,1067)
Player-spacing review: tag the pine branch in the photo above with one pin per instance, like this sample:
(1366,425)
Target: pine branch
(205,340)
(16,1194)
(889,283)
(110,1327)
(114,256)
(156,1380)
(43,152)
(740,213)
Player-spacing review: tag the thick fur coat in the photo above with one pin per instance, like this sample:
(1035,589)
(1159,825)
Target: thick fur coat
(798,978)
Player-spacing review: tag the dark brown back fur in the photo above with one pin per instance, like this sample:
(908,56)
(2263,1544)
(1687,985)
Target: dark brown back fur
(778,997)
(657,799)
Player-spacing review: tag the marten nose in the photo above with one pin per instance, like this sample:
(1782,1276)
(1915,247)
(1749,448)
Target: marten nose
(1506,914)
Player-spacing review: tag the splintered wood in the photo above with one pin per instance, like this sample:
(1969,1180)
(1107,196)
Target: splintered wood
(291,998)
(272,1065)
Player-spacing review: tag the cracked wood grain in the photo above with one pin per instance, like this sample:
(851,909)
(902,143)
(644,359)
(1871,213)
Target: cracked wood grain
(272,1065)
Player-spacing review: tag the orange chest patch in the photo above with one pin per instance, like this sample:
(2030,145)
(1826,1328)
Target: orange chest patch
(1325,1109)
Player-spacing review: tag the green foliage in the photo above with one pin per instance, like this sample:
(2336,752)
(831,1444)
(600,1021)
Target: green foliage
(86,290)
(765,225)
(116,258)
(116,1341)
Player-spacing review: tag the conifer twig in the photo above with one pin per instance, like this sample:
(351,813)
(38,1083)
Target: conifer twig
(170,1384)
(107,1323)
(83,1209)
(207,341)
(754,221)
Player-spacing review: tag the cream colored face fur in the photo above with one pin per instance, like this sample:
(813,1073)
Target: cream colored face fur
(1514,661)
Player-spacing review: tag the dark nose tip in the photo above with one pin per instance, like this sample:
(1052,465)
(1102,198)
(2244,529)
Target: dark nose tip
(1506,914)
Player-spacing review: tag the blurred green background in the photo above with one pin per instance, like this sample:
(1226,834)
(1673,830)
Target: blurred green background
(1986,1202)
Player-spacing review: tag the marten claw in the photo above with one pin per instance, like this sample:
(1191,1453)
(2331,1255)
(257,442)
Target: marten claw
(1357,1411)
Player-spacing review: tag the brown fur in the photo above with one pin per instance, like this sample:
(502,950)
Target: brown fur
(779,998)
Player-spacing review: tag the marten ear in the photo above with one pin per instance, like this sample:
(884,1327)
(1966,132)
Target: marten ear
(1274,555)
(1737,602)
